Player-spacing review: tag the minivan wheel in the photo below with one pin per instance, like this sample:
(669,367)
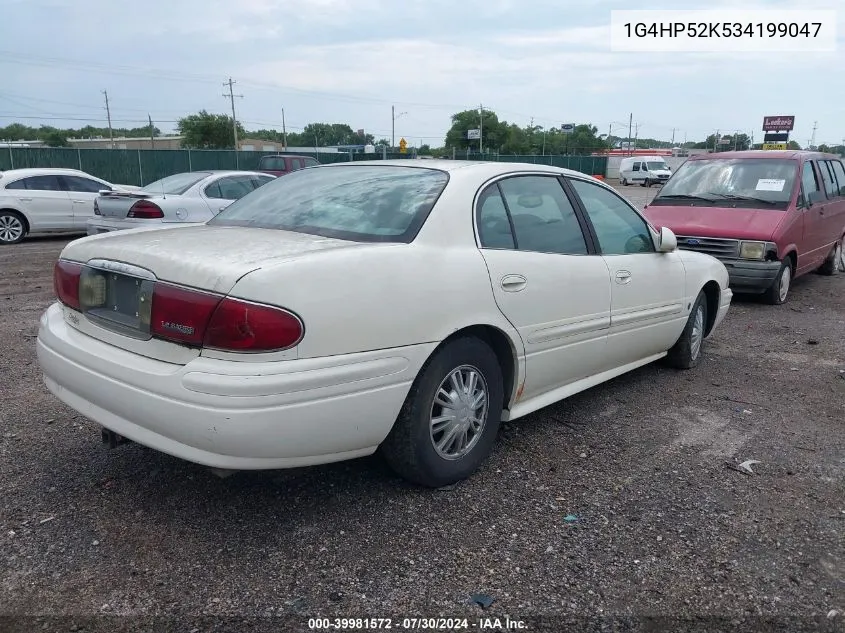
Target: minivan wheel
(449,421)
(12,227)
(778,292)
(835,262)
(686,353)
(624,182)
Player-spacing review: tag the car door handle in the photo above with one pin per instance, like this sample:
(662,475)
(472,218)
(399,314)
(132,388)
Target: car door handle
(513,283)
(623,276)
(79,201)
(25,199)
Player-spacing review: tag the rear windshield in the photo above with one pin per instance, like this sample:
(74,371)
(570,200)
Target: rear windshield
(743,182)
(272,163)
(359,203)
(177,184)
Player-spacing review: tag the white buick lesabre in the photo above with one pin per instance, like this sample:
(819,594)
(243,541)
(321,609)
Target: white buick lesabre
(393,305)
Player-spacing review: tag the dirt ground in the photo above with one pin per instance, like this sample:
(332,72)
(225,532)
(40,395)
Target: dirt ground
(601,511)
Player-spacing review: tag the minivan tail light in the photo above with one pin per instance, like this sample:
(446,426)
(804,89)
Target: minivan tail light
(66,282)
(242,326)
(144,209)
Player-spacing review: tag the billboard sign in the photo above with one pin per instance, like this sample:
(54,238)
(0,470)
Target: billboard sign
(778,123)
(473,135)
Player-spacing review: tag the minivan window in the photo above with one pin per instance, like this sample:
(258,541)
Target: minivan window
(349,202)
(839,172)
(656,166)
(272,163)
(765,183)
(809,183)
(828,179)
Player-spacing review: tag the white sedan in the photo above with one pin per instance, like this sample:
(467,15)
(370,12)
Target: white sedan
(388,305)
(47,200)
(191,197)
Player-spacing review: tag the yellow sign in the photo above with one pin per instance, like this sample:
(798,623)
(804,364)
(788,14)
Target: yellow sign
(775,146)
(403,146)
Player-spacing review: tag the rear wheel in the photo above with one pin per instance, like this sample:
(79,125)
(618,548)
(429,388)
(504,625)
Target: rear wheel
(624,182)
(12,227)
(778,292)
(835,262)
(686,353)
(451,416)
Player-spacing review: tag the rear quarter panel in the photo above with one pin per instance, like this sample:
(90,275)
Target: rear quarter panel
(389,295)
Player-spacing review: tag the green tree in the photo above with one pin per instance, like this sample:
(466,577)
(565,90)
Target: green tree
(56,138)
(208,131)
(424,150)
(492,131)
(793,145)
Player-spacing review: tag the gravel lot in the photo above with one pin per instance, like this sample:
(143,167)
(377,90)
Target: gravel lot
(663,527)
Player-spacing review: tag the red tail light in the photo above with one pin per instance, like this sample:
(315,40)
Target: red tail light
(66,282)
(146,210)
(201,319)
(96,208)
(181,315)
(241,326)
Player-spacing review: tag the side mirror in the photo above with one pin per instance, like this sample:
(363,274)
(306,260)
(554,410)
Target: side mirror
(668,241)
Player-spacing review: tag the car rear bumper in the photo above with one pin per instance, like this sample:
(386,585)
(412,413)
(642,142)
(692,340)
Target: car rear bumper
(751,276)
(231,415)
(103,225)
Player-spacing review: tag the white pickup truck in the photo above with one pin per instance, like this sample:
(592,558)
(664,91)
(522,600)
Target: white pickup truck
(187,198)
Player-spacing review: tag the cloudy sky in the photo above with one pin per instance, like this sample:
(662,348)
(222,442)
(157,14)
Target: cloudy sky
(349,60)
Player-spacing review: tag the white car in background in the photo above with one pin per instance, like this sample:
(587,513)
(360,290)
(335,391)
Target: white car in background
(187,198)
(403,305)
(48,200)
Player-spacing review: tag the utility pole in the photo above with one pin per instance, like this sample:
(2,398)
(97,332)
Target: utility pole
(108,115)
(393,127)
(284,131)
(630,125)
(673,137)
(231,96)
(152,133)
(813,138)
(481,129)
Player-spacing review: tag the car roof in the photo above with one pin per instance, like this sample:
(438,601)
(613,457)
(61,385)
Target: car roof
(489,169)
(768,154)
(44,171)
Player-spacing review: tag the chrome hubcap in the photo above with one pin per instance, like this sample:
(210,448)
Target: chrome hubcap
(697,335)
(785,278)
(459,412)
(11,228)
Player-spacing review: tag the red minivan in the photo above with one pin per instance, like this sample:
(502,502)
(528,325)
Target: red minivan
(769,216)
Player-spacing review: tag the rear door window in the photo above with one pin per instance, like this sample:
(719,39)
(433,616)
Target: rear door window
(827,179)
(83,185)
(839,172)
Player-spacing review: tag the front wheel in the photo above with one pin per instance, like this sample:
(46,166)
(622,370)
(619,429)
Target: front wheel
(778,292)
(686,353)
(450,418)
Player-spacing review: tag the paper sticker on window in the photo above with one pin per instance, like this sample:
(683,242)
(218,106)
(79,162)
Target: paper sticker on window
(770,184)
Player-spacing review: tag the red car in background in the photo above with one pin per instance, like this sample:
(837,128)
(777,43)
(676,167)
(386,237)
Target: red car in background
(281,164)
(769,216)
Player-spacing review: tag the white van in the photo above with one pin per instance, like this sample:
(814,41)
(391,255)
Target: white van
(646,170)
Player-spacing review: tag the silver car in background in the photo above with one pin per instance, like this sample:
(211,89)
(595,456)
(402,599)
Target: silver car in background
(186,198)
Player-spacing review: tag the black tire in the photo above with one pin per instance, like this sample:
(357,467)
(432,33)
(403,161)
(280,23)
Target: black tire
(624,182)
(774,295)
(834,262)
(647,183)
(685,354)
(409,447)
(12,227)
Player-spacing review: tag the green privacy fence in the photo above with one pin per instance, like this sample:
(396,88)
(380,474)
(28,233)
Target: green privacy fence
(143,166)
